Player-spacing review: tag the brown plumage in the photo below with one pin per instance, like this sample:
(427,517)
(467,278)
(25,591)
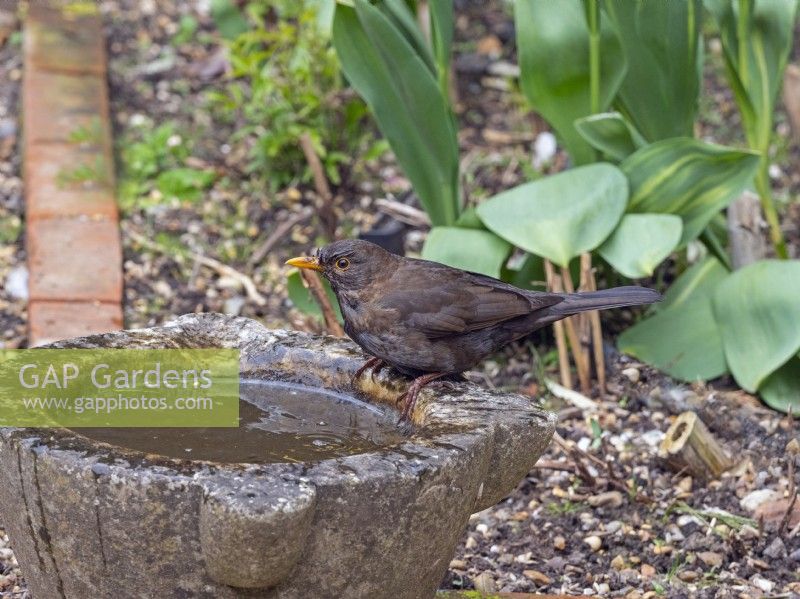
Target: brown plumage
(429,320)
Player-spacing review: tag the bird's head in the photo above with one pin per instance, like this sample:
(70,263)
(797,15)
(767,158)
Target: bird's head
(350,264)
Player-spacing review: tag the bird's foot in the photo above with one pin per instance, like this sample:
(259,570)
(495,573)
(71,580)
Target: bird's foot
(375,363)
(409,399)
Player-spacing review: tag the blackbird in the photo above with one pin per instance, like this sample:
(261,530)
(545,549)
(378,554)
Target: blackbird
(429,320)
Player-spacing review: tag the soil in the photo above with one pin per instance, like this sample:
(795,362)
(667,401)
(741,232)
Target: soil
(602,513)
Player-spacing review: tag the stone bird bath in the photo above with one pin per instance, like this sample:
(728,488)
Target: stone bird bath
(88,519)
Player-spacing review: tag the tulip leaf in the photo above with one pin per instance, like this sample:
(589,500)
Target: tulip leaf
(468,249)
(610,133)
(397,80)
(663,49)
(554,48)
(689,178)
(757,309)
(781,389)
(560,216)
(640,242)
(682,338)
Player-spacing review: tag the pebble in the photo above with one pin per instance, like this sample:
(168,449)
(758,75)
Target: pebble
(775,550)
(618,563)
(233,305)
(632,374)
(762,583)
(544,149)
(594,542)
(652,438)
(795,555)
(482,528)
(752,500)
(613,527)
(710,558)
(612,499)
(689,575)
(458,564)
(537,577)
(603,589)
(17,283)
(559,543)
(484,583)
(647,571)
(471,543)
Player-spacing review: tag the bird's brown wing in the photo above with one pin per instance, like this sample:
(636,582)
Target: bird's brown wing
(454,302)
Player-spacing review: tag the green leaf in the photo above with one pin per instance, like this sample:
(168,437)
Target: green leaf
(553,45)
(529,274)
(468,249)
(781,389)
(405,98)
(441,17)
(229,20)
(304,301)
(689,178)
(610,133)
(561,216)
(757,310)
(184,183)
(756,40)
(640,242)
(682,338)
(663,48)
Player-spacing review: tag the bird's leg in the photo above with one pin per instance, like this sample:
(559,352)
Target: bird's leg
(375,363)
(409,398)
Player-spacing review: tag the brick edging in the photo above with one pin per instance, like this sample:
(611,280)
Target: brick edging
(73,240)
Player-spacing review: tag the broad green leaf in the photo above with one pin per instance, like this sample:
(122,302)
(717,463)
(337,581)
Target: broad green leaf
(561,216)
(682,338)
(610,133)
(304,301)
(756,40)
(405,21)
(468,249)
(554,53)
(663,49)
(228,18)
(698,281)
(689,178)
(404,96)
(640,242)
(781,389)
(468,219)
(757,310)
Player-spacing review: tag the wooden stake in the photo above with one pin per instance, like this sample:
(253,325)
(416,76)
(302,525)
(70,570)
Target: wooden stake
(554,285)
(327,214)
(689,446)
(597,338)
(318,291)
(579,352)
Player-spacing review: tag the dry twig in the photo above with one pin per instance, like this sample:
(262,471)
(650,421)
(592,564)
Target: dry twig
(280,231)
(327,215)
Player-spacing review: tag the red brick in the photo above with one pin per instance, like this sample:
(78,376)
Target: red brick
(74,259)
(54,321)
(53,187)
(63,39)
(65,108)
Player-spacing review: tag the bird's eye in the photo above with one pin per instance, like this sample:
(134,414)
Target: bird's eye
(342,263)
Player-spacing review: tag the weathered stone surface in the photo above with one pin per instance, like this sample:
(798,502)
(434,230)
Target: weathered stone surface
(372,525)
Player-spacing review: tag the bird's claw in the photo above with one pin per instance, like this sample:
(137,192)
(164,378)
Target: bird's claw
(374,363)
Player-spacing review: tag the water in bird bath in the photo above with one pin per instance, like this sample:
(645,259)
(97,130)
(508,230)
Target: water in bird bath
(278,422)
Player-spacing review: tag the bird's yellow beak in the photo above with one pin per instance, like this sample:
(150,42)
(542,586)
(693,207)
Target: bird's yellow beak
(311,262)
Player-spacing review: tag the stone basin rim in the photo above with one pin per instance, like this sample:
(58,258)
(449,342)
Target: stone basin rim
(445,421)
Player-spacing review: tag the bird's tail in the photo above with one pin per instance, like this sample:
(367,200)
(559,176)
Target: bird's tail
(618,297)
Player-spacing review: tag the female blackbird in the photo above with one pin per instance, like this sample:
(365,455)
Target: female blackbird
(429,320)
